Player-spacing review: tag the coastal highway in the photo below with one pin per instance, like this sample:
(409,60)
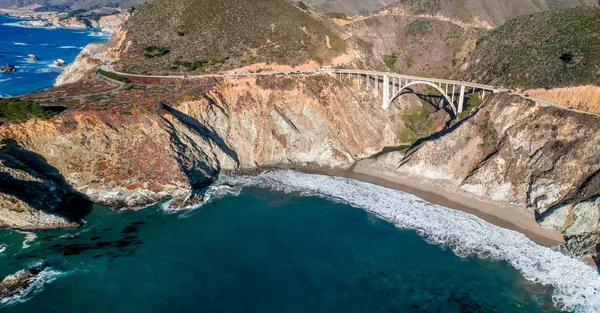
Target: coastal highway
(107,66)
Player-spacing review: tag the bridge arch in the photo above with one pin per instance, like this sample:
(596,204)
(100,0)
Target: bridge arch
(401,90)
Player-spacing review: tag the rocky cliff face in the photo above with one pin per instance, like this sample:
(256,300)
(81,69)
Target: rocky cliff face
(145,155)
(515,151)
(83,64)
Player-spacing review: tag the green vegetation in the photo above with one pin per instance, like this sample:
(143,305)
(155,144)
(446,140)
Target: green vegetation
(192,66)
(113,76)
(470,106)
(18,110)
(419,28)
(410,61)
(417,122)
(390,61)
(338,15)
(245,32)
(542,50)
(302,5)
(154,51)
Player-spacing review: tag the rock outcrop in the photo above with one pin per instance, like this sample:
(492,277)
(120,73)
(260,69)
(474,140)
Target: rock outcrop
(17,283)
(83,64)
(33,194)
(512,150)
(138,158)
(8,68)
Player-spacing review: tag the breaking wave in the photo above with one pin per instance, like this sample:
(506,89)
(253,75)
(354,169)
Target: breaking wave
(35,286)
(576,285)
(69,47)
(212,193)
(20,44)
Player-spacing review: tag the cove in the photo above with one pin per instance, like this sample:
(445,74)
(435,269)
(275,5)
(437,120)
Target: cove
(258,250)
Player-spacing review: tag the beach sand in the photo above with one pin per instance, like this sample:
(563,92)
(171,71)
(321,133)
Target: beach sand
(446,194)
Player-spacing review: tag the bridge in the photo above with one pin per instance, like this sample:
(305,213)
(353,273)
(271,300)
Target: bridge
(387,85)
(391,85)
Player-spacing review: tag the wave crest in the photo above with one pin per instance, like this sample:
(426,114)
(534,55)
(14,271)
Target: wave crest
(576,285)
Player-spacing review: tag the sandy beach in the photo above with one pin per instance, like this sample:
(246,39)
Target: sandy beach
(443,193)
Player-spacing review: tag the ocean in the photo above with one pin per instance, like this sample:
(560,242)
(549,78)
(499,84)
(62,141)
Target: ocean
(279,241)
(284,241)
(48,44)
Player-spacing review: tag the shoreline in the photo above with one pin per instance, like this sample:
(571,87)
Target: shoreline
(503,215)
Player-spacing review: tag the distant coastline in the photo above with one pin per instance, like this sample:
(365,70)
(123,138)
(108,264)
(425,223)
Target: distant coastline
(107,24)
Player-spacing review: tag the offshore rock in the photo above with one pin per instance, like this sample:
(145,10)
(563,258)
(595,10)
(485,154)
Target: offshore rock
(18,282)
(32,58)
(8,68)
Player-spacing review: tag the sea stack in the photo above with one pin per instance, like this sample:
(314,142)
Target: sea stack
(32,58)
(59,62)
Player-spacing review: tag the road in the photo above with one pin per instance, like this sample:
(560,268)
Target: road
(329,70)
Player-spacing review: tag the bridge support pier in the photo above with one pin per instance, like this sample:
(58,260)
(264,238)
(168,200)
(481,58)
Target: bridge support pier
(461,99)
(386,92)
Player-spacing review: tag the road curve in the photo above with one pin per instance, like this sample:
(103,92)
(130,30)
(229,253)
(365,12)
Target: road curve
(106,66)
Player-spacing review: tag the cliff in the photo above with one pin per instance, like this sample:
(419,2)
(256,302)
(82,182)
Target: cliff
(514,151)
(135,157)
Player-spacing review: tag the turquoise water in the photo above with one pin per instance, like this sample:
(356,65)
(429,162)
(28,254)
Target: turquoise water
(259,249)
(48,44)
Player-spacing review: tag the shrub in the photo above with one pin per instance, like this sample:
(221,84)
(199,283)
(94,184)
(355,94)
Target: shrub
(302,5)
(113,76)
(154,51)
(341,16)
(18,110)
(390,61)
(410,62)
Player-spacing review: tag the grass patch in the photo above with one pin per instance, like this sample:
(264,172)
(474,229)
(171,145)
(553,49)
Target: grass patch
(16,110)
(113,76)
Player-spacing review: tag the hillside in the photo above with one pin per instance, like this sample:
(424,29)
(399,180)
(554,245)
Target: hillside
(540,51)
(486,13)
(411,45)
(69,5)
(348,6)
(212,35)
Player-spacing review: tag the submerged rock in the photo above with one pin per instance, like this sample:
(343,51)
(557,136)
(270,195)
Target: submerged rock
(8,68)
(59,62)
(18,282)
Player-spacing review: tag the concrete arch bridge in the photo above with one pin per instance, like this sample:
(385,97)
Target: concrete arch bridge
(391,85)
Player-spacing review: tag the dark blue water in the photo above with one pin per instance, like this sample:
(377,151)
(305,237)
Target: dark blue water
(48,44)
(259,251)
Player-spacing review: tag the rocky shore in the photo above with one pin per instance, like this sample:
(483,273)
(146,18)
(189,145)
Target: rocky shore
(513,151)
(107,24)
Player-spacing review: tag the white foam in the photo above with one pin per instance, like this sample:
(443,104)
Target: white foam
(214,192)
(3,248)
(69,47)
(20,44)
(5,80)
(29,237)
(576,284)
(37,284)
